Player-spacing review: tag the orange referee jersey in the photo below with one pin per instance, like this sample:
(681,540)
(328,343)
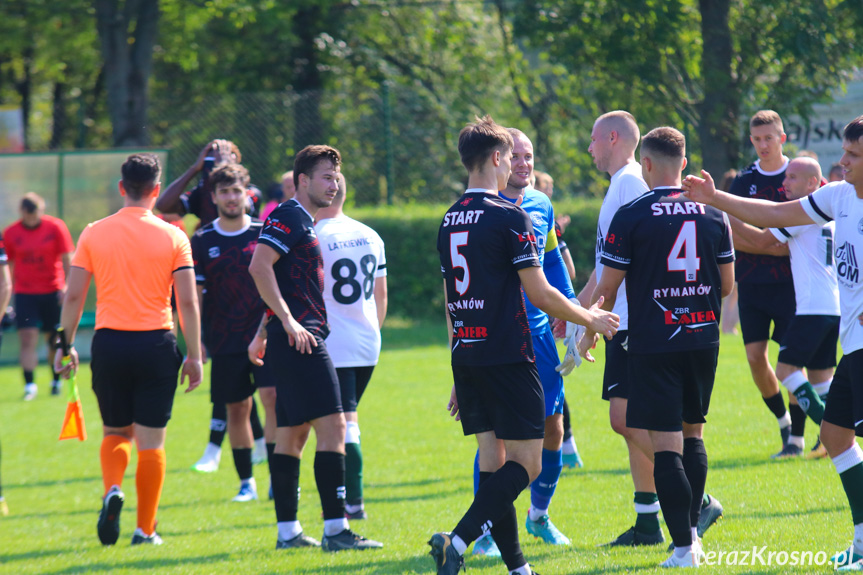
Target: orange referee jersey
(132,256)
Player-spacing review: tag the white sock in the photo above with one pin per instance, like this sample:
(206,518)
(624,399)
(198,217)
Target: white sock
(796,440)
(569,446)
(353,508)
(289,529)
(250,482)
(680,552)
(793,382)
(535,514)
(459,544)
(784,421)
(28,387)
(858,539)
(822,388)
(352,432)
(213,451)
(694,534)
(523,570)
(261,444)
(334,526)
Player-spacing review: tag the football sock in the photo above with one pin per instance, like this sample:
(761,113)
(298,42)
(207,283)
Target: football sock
(822,388)
(675,495)
(858,538)
(285,476)
(810,402)
(255,421)
(149,480)
(330,479)
(54,375)
(218,424)
(477,474)
(776,405)
(458,544)
(542,488)
(353,465)
(492,501)
(28,376)
(569,447)
(335,526)
(271,448)
(798,419)
(695,467)
(243,462)
(647,509)
(797,440)
(114,454)
(289,529)
(849,465)
(567,423)
(505,533)
(523,570)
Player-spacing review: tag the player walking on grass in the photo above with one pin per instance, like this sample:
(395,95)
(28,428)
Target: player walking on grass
(677,259)
(488,252)
(810,338)
(288,271)
(5,295)
(355,296)
(39,249)
(231,307)
(134,258)
(841,202)
(539,209)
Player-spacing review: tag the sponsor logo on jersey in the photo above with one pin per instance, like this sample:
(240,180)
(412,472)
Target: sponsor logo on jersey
(525,238)
(753,190)
(213,252)
(471,303)
(471,333)
(278,225)
(462,218)
(676,208)
(846,264)
(682,292)
(466,201)
(682,317)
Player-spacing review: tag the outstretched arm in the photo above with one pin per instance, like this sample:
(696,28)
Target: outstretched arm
(754,240)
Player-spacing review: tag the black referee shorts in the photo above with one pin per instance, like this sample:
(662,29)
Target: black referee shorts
(507,399)
(135,376)
(307,386)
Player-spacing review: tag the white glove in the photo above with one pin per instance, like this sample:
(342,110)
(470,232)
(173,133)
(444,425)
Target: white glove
(571,359)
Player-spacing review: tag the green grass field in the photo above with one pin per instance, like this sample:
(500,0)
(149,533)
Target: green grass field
(418,481)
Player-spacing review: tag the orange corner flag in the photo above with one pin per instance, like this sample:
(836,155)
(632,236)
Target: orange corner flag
(73,423)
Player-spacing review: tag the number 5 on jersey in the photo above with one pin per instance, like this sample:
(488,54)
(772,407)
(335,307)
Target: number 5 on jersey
(456,240)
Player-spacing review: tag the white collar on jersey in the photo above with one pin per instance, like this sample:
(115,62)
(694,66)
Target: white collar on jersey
(222,232)
(480,191)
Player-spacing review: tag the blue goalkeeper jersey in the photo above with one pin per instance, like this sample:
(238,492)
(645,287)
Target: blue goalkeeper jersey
(538,207)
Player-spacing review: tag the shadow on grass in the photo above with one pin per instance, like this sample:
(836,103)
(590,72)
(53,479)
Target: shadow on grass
(416,483)
(790,513)
(421,564)
(416,497)
(737,462)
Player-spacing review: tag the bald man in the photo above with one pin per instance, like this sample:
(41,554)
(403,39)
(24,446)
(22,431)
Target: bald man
(810,341)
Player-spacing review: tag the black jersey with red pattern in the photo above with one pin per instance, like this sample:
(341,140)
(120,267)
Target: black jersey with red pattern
(290,230)
(758,268)
(483,241)
(671,249)
(232,307)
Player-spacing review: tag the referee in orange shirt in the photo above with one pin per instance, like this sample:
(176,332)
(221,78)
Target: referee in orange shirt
(135,258)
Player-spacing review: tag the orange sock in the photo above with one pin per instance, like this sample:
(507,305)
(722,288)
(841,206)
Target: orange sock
(149,480)
(115,454)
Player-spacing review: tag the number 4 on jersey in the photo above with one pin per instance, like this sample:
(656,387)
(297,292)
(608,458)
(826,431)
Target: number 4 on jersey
(683,256)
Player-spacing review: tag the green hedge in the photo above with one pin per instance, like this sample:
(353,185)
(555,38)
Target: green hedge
(413,265)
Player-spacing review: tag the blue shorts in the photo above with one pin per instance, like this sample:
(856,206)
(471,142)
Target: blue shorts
(545,351)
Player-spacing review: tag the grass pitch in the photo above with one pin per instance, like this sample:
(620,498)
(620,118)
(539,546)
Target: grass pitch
(418,480)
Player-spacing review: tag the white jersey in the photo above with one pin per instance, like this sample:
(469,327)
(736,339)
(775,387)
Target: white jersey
(812,267)
(353,256)
(838,201)
(626,185)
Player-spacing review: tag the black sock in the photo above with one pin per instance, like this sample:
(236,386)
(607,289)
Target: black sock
(567,423)
(798,419)
(492,501)
(271,448)
(243,462)
(285,473)
(218,424)
(330,479)
(776,405)
(55,374)
(675,495)
(695,467)
(28,376)
(257,430)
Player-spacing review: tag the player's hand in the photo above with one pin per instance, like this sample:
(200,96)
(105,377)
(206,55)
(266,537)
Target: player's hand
(587,342)
(298,336)
(204,153)
(558,327)
(452,406)
(572,357)
(193,369)
(221,151)
(603,322)
(701,190)
(66,371)
(256,350)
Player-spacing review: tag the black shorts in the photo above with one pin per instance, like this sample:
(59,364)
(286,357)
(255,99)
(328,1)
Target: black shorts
(353,382)
(264,377)
(760,304)
(233,377)
(810,342)
(307,386)
(615,379)
(845,399)
(672,388)
(506,399)
(135,376)
(42,310)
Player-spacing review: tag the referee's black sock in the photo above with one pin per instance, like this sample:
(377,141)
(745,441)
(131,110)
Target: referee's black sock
(285,475)
(492,501)
(695,467)
(257,430)
(330,479)
(243,462)
(675,495)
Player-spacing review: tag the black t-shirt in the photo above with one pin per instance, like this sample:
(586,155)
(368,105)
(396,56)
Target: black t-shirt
(670,248)
(483,241)
(758,268)
(232,307)
(290,230)
(199,202)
